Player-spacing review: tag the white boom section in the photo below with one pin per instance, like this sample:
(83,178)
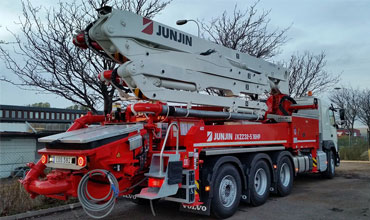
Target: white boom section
(170,65)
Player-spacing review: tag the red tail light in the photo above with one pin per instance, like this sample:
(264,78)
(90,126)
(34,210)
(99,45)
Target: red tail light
(155,182)
(44,159)
(81,161)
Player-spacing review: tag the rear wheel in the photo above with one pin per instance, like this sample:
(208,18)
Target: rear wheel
(260,179)
(285,177)
(330,171)
(226,192)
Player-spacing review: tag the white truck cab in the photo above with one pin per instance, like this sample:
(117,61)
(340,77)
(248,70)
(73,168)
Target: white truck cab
(328,126)
(327,132)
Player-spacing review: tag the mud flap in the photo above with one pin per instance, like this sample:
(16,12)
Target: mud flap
(204,209)
(131,197)
(337,162)
(245,198)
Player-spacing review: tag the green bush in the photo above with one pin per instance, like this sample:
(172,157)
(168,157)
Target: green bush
(357,150)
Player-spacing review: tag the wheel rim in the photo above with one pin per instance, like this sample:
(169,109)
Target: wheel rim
(285,175)
(260,181)
(227,191)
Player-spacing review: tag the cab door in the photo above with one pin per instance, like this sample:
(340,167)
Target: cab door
(329,131)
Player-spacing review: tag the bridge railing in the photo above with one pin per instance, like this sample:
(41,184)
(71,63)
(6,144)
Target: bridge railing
(11,113)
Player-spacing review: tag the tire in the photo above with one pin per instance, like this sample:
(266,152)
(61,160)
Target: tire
(260,179)
(284,177)
(226,191)
(330,171)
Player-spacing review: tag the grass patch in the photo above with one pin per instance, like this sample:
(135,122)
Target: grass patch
(358,150)
(15,199)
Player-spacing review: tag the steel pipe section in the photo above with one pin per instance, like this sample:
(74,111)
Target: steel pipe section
(161,109)
(184,112)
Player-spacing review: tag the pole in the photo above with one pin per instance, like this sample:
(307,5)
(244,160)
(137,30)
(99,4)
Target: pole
(182,22)
(197,26)
(368,143)
(349,138)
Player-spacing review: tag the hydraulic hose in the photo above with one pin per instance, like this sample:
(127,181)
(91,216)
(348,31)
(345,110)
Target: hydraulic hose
(93,205)
(281,107)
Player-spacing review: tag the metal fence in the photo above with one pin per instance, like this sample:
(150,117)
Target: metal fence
(13,162)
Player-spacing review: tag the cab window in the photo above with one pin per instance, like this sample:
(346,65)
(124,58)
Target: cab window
(332,118)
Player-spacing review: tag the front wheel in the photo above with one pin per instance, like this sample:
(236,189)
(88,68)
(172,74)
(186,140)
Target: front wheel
(226,192)
(330,171)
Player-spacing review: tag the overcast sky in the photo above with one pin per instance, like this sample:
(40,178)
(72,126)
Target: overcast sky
(339,28)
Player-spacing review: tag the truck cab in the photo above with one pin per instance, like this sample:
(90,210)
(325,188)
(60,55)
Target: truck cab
(327,130)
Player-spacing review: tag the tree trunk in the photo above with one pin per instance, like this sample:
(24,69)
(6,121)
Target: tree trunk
(107,105)
(108,98)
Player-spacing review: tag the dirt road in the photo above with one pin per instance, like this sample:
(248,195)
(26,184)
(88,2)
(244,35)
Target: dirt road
(347,196)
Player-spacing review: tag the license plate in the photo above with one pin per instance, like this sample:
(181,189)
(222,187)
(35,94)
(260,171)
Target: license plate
(62,159)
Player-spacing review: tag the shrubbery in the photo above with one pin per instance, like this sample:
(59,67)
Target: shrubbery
(14,199)
(358,150)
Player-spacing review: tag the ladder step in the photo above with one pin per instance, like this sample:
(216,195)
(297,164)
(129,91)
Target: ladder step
(148,193)
(164,155)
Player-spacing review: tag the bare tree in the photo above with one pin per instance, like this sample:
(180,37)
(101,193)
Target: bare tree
(364,107)
(307,73)
(246,31)
(347,99)
(44,58)
(364,114)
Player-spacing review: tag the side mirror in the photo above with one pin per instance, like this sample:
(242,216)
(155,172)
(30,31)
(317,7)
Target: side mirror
(332,108)
(341,114)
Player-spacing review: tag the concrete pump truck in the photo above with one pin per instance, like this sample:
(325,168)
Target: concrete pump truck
(176,140)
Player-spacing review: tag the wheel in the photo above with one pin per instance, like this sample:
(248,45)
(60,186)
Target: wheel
(226,192)
(260,178)
(285,177)
(330,171)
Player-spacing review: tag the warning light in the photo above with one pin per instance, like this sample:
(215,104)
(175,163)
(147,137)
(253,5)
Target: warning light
(309,93)
(207,188)
(155,182)
(44,159)
(81,161)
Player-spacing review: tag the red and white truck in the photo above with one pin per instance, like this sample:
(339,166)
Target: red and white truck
(176,140)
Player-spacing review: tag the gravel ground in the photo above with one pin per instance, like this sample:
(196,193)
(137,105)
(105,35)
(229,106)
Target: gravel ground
(347,196)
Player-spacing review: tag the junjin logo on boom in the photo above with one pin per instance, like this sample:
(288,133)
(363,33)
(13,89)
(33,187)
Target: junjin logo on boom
(174,35)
